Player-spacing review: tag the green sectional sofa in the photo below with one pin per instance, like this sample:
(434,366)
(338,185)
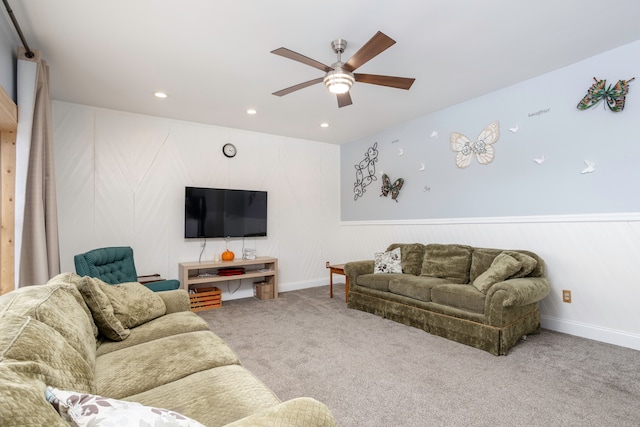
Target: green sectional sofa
(78,351)
(485,298)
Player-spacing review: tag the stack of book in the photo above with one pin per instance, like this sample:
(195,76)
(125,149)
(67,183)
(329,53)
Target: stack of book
(230,271)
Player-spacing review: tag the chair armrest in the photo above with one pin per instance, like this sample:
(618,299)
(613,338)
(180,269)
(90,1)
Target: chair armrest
(176,300)
(290,414)
(522,291)
(357,268)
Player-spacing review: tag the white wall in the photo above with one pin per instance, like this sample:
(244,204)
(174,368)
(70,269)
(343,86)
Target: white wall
(121,180)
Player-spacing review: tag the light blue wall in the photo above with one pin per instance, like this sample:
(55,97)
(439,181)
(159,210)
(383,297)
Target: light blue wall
(8,57)
(544,109)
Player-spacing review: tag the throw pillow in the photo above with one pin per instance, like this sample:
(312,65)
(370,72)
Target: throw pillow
(388,262)
(412,255)
(502,267)
(528,263)
(133,303)
(88,410)
(101,309)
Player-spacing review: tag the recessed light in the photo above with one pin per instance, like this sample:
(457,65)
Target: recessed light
(160,94)
(324,125)
(252,111)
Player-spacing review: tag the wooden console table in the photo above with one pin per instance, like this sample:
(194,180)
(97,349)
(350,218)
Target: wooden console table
(338,269)
(203,274)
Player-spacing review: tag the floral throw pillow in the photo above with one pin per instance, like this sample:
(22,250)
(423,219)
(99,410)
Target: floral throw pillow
(388,262)
(81,409)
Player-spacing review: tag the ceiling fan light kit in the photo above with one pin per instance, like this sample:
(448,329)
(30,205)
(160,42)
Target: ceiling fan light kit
(339,78)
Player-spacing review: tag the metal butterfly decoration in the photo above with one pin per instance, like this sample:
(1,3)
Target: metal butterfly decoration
(394,188)
(614,96)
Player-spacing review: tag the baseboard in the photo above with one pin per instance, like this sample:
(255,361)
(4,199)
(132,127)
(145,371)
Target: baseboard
(282,287)
(286,287)
(593,332)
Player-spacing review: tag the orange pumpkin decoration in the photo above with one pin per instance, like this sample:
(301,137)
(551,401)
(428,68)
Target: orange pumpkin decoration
(228,255)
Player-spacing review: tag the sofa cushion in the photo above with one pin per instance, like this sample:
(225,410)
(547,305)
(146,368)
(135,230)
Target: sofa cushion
(231,392)
(388,262)
(84,409)
(412,255)
(72,279)
(481,261)
(164,326)
(60,306)
(483,257)
(41,350)
(416,287)
(102,310)
(379,282)
(142,367)
(529,263)
(22,398)
(133,303)
(503,267)
(464,297)
(450,262)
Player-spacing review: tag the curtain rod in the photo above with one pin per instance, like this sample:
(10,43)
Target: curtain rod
(29,53)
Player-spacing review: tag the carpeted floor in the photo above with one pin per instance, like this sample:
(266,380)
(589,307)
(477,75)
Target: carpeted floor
(371,371)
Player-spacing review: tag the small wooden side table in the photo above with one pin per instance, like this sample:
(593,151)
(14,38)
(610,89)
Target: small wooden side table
(338,269)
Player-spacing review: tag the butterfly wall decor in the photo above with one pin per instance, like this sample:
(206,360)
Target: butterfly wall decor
(614,96)
(394,188)
(482,147)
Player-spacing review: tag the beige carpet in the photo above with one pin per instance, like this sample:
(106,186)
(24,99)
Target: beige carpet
(374,372)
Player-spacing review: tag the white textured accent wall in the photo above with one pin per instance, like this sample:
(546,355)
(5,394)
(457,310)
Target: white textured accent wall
(121,180)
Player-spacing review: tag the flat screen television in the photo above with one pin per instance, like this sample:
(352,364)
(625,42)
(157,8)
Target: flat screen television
(219,212)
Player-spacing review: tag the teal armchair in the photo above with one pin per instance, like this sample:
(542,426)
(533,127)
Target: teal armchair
(115,265)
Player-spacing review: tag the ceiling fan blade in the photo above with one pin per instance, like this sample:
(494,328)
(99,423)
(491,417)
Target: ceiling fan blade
(298,87)
(301,58)
(344,99)
(375,46)
(390,81)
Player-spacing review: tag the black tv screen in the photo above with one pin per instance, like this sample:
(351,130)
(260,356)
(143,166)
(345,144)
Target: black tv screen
(218,212)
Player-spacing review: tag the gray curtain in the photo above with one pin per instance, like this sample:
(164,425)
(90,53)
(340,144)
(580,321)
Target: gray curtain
(40,254)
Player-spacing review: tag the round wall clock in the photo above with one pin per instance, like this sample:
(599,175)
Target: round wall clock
(229,150)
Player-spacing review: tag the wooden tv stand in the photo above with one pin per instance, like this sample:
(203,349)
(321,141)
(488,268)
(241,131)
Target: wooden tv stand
(204,273)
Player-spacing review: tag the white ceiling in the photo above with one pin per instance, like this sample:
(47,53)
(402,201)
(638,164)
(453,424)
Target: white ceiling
(213,57)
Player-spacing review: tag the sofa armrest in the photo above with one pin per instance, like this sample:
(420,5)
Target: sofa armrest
(356,268)
(522,291)
(176,300)
(292,413)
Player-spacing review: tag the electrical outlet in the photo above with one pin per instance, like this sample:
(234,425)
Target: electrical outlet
(566,296)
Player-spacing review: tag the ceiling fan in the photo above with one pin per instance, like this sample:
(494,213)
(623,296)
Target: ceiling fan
(339,76)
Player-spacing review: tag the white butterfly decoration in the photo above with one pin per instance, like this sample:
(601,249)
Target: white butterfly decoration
(540,160)
(481,147)
(591,167)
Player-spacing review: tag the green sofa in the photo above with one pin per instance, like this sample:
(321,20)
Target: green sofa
(78,348)
(485,298)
